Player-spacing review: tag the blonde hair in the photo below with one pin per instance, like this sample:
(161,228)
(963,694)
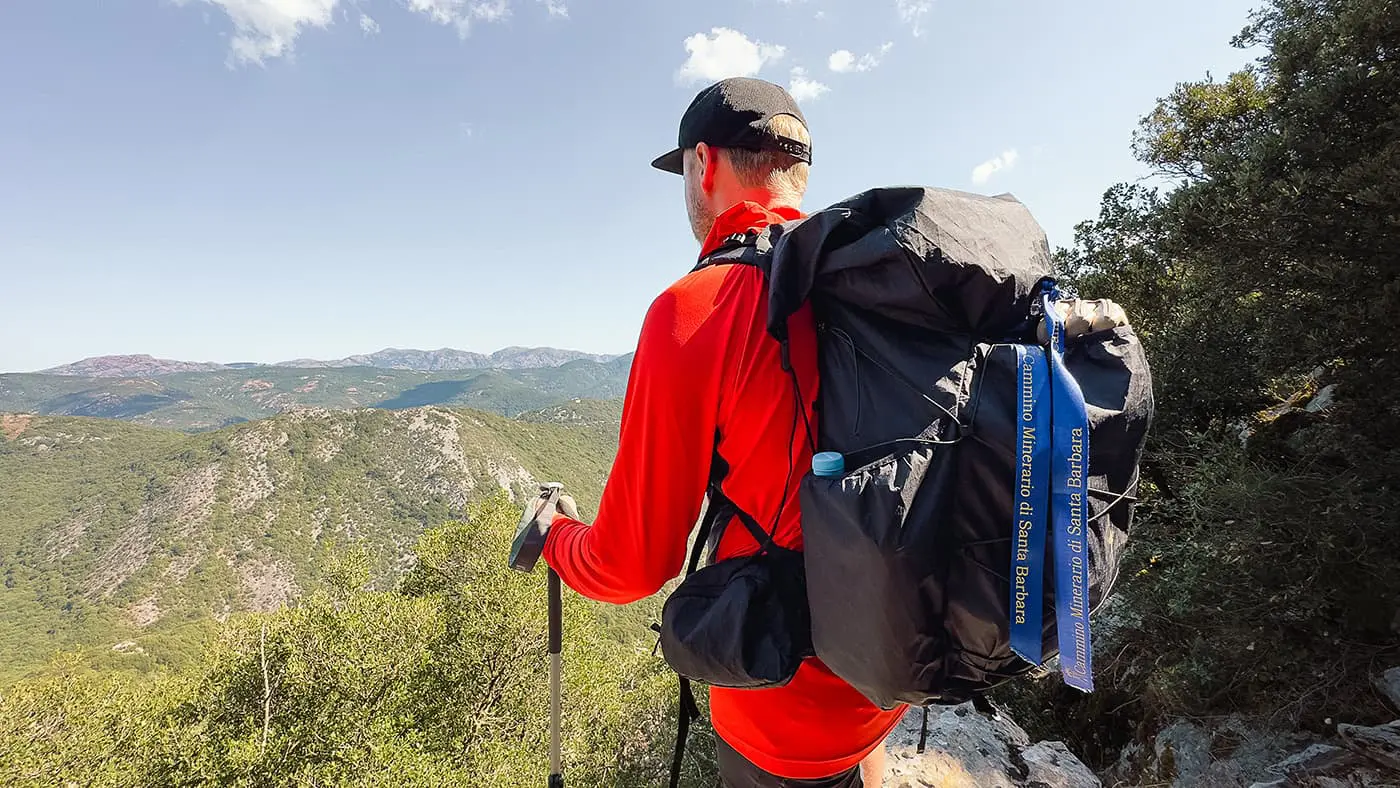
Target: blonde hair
(781,174)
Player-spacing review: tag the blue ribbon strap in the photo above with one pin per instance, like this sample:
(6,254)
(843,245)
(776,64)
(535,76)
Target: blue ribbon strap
(1032,502)
(1052,455)
(1069,508)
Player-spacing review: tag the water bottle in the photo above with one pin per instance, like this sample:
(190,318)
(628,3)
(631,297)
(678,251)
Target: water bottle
(828,463)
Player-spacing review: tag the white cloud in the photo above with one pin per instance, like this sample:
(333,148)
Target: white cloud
(466,129)
(912,13)
(804,88)
(725,53)
(821,15)
(982,172)
(461,13)
(267,29)
(844,60)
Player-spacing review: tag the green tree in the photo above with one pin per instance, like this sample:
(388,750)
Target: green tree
(1268,581)
(441,682)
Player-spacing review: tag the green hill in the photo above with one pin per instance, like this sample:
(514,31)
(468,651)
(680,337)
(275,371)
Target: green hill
(440,681)
(199,400)
(136,539)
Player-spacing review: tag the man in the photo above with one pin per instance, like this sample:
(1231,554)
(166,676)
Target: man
(707,371)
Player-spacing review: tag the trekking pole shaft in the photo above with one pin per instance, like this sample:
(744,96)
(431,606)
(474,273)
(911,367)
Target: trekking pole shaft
(556,627)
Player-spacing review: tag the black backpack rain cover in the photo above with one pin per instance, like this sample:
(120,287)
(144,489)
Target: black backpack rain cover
(927,302)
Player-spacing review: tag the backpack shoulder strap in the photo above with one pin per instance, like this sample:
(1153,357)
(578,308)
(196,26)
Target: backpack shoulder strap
(746,248)
(718,511)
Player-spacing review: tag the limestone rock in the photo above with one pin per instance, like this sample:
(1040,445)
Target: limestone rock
(1181,754)
(1233,753)
(1380,744)
(967,749)
(1317,759)
(1052,765)
(1368,761)
(1325,398)
(1389,682)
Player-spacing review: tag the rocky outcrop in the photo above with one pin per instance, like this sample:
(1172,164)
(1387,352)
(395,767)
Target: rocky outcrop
(1231,754)
(1369,757)
(1235,754)
(965,748)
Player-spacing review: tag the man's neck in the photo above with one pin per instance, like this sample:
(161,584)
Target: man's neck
(742,215)
(758,196)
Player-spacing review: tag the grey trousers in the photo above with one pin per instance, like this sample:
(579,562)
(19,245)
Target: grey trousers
(736,771)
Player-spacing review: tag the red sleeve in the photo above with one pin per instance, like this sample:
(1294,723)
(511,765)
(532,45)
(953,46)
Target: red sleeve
(654,492)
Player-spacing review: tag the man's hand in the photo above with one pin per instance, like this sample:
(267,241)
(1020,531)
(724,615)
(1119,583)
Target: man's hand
(1082,317)
(566,506)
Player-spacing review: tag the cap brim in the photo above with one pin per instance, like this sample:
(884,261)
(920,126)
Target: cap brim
(670,162)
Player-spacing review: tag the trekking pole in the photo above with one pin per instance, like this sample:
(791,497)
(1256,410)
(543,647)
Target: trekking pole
(556,641)
(524,552)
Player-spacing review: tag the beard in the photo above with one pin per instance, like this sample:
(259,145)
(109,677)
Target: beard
(702,218)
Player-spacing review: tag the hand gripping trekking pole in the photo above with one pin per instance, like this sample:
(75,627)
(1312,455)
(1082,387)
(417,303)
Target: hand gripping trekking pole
(524,552)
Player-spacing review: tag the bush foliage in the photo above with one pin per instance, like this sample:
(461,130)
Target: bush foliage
(441,681)
(1264,578)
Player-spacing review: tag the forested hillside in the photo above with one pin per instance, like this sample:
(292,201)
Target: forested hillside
(439,682)
(134,541)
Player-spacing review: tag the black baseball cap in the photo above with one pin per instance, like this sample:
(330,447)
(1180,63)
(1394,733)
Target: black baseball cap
(731,114)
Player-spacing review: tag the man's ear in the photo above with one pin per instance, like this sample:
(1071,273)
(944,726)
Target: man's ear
(707,161)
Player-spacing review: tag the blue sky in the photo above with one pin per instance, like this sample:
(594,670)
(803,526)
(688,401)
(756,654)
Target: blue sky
(259,180)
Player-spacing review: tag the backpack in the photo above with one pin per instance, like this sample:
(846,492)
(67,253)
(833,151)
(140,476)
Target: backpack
(968,456)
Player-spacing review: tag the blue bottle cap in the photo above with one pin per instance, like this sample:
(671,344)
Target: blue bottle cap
(828,463)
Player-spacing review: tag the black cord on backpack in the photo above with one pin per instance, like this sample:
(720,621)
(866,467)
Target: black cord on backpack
(786,356)
(798,408)
(792,438)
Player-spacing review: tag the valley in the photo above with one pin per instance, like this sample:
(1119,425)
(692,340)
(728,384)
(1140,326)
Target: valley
(133,541)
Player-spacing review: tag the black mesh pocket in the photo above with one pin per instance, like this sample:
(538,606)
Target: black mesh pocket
(875,569)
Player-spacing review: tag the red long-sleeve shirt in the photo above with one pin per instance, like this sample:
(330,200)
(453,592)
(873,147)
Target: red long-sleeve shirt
(705,364)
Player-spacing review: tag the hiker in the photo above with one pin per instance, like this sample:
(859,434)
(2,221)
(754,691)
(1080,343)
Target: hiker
(711,388)
(706,371)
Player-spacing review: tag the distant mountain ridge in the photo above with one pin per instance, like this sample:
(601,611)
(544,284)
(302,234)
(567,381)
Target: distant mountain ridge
(205,399)
(440,360)
(137,365)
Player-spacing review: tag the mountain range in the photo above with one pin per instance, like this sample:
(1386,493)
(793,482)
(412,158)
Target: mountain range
(186,396)
(144,500)
(443,359)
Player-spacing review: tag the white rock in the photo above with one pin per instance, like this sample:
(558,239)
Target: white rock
(1317,758)
(1324,399)
(967,749)
(1051,764)
(1389,684)
(1182,754)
